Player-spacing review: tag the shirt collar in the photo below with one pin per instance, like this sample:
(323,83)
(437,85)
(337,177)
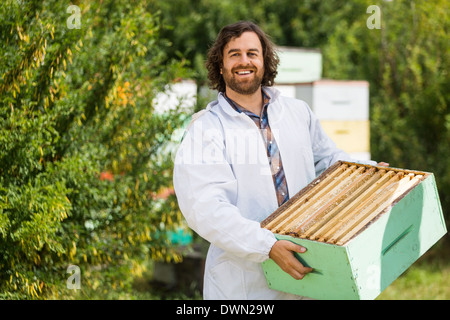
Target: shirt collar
(240,109)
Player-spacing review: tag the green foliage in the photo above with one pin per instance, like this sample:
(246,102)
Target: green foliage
(81,159)
(289,23)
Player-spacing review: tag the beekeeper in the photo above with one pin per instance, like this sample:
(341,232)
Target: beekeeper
(240,159)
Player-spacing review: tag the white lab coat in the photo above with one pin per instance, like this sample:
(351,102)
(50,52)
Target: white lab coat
(224,187)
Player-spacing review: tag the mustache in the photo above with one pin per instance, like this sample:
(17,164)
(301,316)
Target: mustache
(239,68)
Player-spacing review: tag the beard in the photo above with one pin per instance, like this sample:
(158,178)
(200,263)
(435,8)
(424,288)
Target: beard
(246,86)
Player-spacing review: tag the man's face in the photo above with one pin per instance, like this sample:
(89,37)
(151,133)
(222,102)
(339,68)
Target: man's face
(243,64)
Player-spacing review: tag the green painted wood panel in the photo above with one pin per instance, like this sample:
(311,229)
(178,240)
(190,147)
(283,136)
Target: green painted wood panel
(299,65)
(332,275)
(391,244)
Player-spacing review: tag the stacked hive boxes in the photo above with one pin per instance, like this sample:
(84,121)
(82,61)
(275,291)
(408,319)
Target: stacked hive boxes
(362,225)
(343,110)
(341,106)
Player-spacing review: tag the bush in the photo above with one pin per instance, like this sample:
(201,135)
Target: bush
(80,157)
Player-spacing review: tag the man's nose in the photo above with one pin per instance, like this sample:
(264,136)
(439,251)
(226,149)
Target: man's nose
(245,60)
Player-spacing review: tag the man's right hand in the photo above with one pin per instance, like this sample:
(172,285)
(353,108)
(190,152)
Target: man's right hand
(282,253)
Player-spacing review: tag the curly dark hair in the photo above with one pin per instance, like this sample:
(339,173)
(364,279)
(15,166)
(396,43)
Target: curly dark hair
(214,60)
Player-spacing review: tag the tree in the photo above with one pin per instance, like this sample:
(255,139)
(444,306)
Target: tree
(81,161)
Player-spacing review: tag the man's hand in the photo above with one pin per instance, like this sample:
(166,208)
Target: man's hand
(282,253)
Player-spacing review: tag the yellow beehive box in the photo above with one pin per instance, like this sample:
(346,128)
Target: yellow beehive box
(350,136)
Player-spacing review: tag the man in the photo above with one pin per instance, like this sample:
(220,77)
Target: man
(241,158)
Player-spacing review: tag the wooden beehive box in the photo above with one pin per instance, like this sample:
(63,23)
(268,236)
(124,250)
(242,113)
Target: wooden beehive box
(362,225)
(337,100)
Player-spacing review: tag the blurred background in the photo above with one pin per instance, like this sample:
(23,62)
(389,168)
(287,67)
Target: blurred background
(94,96)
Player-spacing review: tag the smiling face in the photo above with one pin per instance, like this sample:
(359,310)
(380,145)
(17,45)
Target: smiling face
(243,64)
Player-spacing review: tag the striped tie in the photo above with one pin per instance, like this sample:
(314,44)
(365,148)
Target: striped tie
(276,165)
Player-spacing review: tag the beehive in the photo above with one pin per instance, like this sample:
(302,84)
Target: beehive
(342,106)
(337,100)
(362,225)
(298,65)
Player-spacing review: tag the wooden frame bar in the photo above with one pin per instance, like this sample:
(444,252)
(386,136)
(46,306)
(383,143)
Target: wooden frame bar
(341,202)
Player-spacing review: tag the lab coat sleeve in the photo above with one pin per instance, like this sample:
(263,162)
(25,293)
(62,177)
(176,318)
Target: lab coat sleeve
(207,190)
(324,149)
